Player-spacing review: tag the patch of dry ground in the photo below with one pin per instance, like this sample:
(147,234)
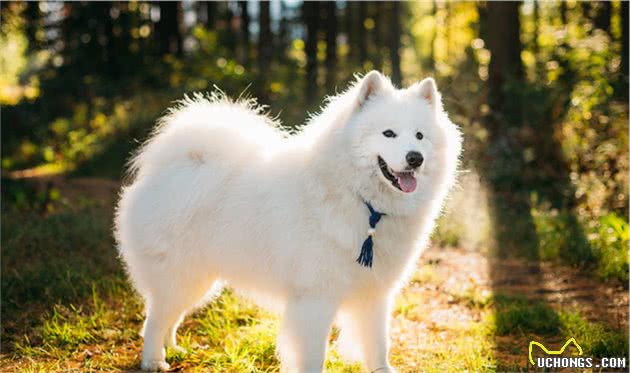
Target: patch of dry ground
(443,311)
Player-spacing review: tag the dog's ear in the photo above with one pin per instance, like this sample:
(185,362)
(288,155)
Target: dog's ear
(427,89)
(371,83)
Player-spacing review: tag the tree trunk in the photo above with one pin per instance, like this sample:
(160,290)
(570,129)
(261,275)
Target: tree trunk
(311,16)
(431,61)
(447,29)
(563,12)
(167,28)
(538,65)
(265,47)
(283,33)
(331,44)
(379,28)
(624,44)
(351,29)
(536,16)
(244,53)
(482,10)
(505,47)
(362,37)
(33,19)
(602,16)
(211,14)
(394,43)
(586,7)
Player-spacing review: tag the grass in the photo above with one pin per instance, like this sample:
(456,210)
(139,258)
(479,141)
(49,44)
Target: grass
(67,306)
(440,340)
(519,314)
(517,318)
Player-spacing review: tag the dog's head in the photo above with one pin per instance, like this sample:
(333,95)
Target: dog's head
(396,134)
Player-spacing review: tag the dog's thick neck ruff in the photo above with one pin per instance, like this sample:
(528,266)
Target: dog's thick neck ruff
(367,250)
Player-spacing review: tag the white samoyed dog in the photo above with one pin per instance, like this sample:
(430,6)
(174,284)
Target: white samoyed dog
(325,225)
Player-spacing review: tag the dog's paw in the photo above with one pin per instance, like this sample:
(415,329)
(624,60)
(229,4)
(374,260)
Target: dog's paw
(155,366)
(178,349)
(384,369)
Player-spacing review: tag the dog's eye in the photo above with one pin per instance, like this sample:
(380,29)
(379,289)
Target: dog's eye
(419,135)
(389,133)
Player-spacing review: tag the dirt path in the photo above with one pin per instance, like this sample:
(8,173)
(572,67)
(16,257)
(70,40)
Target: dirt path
(74,189)
(446,300)
(556,285)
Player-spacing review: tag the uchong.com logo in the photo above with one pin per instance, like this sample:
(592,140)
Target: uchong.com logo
(552,358)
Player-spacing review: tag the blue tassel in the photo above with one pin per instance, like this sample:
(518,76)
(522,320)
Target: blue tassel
(365,258)
(367,250)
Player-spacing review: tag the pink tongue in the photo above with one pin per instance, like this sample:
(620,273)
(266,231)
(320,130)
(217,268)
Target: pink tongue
(407,183)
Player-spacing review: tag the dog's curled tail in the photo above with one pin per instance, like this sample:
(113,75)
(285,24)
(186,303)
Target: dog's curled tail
(206,128)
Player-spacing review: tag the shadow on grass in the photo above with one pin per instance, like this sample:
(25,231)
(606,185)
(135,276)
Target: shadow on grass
(67,303)
(61,259)
(518,183)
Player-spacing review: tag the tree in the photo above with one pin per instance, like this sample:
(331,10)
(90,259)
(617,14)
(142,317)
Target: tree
(211,13)
(310,12)
(362,37)
(168,28)
(447,27)
(504,44)
(352,29)
(331,44)
(377,32)
(624,44)
(244,57)
(394,43)
(563,12)
(535,45)
(206,13)
(283,38)
(586,7)
(601,19)
(265,47)
(431,62)
(536,17)
(33,19)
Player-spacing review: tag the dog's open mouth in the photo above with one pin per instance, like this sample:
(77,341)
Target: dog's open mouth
(404,181)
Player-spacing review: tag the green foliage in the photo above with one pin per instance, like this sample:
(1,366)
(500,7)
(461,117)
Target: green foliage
(597,340)
(534,318)
(522,315)
(610,245)
(15,59)
(604,242)
(560,236)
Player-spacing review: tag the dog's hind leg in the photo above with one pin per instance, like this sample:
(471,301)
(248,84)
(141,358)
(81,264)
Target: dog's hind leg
(303,336)
(194,301)
(159,317)
(165,309)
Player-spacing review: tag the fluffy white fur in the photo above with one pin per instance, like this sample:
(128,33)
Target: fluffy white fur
(221,194)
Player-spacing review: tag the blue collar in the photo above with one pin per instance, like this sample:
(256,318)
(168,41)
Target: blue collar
(367,252)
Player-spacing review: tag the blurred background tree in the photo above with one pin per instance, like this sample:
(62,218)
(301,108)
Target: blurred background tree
(539,88)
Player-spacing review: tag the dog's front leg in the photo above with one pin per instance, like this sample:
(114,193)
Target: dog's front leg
(366,328)
(374,327)
(304,332)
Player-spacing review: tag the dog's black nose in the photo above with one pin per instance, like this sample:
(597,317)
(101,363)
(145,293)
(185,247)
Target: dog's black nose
(414,159)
